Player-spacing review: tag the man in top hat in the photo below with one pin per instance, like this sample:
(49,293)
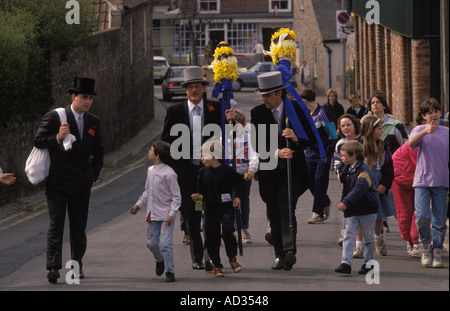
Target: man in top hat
(72,173)
(195,109)
(273,184)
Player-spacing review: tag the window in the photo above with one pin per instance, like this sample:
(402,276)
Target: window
(181,43)
(242,37)
(209,6)
(280,5)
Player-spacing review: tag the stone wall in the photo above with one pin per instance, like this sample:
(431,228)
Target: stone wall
(121,62)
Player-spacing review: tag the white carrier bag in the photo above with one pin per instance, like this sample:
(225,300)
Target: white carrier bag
(38,163)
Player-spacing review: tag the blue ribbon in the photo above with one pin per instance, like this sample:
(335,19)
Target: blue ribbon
(226,88)
(284,67)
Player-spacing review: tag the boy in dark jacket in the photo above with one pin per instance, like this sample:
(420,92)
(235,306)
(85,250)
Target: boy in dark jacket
(359,203)
(216,183)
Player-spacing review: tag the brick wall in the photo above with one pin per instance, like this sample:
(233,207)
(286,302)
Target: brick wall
(420,72)
(244,6)
(396,65)
(121,62)
(308,36)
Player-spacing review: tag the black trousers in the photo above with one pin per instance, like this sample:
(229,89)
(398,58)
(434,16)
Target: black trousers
(219,222)
(77,205)
(187,180)
(274,192)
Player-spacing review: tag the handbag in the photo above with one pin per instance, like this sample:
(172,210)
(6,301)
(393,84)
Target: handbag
(37,166)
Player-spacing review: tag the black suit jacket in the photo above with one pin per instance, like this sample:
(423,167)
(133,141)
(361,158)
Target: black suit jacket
(80,166)
(179,114)
(186,171)
(262,115)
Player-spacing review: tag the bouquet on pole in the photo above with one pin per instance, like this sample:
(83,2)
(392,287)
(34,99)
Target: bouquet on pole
(283,54)
(225,73)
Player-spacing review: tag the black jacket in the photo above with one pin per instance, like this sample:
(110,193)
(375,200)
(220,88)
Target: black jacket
(80,166)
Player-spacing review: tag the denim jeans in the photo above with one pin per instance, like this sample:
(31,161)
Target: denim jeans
(437,214)
(367,223)
(159,242)
(318,171)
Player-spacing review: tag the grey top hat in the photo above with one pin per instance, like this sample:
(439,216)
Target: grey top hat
(269,82)
(193,75)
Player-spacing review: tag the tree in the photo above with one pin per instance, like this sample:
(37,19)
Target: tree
(29,32)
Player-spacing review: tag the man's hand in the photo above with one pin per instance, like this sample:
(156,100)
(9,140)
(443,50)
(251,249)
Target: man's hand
(64,130)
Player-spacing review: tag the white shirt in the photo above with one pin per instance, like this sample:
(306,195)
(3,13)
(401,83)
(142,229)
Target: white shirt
(162,196)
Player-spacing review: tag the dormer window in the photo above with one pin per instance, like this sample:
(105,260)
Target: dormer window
(209,6)
(280,5)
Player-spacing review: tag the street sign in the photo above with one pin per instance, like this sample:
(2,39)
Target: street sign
(342,21)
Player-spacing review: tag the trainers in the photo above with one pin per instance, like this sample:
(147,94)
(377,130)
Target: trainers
(235,266)
(358,252)
(426,255)
(316,219)
(413,250)
(344,268)
(380,246)
(209,266)
(326,211)
(268,235)
(170,277)
(386,226)
(364,269)
(217,272)
(437,261)
(159,269)
(246,237)
(186,240)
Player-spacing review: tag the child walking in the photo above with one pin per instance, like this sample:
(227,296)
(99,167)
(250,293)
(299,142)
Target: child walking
(379,159)
(359,203)
(431,182)
(162,199)
(215,186)
(247,162)
(348,129)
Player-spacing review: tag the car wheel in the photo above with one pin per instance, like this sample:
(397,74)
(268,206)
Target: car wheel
(237,85)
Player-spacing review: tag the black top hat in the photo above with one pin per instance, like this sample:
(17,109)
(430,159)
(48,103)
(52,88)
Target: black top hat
(83,86)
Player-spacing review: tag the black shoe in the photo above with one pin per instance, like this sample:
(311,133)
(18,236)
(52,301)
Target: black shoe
(53,276)
(209,266)
(159,268)
(289,260)
(278,264)
(170,277)
(80,275)
(344,268)
(364,270)
(198,265)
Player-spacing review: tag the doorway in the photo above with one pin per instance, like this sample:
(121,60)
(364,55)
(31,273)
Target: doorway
(216,36)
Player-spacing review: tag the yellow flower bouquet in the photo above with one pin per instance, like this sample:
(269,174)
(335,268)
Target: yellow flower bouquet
(225,63)
(283,46)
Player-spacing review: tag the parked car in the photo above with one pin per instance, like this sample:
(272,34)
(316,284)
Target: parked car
(171,85)
(249,77)
(244,61)
(160,67)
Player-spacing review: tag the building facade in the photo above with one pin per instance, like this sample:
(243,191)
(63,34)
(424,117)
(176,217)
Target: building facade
(400,51)
(320,45)
(241,23)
